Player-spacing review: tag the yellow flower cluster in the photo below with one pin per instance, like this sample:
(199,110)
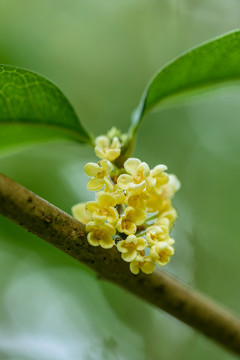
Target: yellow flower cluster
(133,209)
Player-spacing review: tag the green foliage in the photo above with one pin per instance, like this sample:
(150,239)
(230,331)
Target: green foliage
(32,109)
(208,65)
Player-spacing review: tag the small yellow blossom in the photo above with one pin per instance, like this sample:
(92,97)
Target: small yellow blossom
(136,198)
(81,214)
(106,149)
(130,247)
(158,178)
(133,200)
(100,235)
(157,233)
(161,253)
(169,189)
(145,263)
(117,192)
(169,215)
(103,209)
(130,220)
(139,172)
(99,174)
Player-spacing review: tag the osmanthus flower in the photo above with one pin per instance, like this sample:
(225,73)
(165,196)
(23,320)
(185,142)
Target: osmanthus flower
(157,233)
(117,192)
(107,149)
(129,221)
(168,215)
(161,253)
(144,263)
(103,209)
(81,214)
(131,246)
(136,197)
(99,174)
(100,234)
(139,172)
(158,178)
(134,202)
(172,186)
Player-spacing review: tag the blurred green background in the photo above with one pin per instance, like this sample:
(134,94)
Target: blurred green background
(101,54)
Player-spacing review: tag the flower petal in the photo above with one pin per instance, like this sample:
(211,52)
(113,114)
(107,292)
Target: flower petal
(92,239)
(139,216)
(102,141)
(105,200)
(80,213)
(144,169)
(112,154)
(106,166)
(157,170)
(91,206)
(130,255)
(124,181)
(95,184)
(91,169)
(134,267)
(131,165)
(107,243)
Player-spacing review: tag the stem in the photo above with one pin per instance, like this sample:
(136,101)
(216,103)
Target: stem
(151,218)
(67,234)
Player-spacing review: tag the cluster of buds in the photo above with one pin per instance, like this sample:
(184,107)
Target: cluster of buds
(133,208)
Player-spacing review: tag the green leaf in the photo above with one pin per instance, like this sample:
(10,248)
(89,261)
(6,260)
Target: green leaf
(32,109)
(208,65)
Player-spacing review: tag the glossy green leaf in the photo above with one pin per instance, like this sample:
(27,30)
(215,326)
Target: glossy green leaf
(32,109)
(208,65)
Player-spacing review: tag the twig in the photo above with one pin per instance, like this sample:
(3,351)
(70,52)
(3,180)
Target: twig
(67,234)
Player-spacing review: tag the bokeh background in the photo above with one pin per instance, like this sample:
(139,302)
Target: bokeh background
(101,54)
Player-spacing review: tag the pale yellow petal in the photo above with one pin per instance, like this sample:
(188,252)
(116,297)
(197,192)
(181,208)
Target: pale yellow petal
(141,244)
(99,152)
(95,184)
(91,169)
(91,226)
(140,216)
(144,169)
(99,219)
(124,181)
(112,154)
(157,170)
(91,206)
(130,229)
(119,225)
(106,200)
(92,239)
(113,215)
(148,267)
(137,188)
(107,243)
(134,267)
(80,213)
(115,143)
(129,256)
(131,165)
(121,246)
(109,229)
(106,166)
(102,141)
(131,239)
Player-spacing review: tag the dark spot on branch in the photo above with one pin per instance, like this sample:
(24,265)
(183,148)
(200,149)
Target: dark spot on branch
(48,219)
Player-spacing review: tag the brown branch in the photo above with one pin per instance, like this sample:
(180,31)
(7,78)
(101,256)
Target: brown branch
(67,234)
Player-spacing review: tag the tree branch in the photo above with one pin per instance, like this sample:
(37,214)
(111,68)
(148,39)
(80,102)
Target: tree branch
(67,234)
